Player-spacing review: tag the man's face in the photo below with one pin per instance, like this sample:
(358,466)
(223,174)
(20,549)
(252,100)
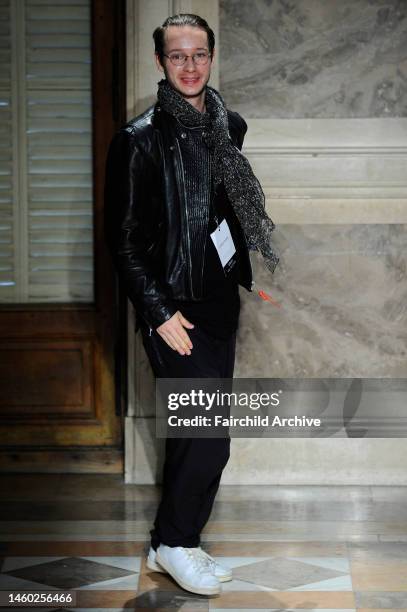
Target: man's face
(190,79)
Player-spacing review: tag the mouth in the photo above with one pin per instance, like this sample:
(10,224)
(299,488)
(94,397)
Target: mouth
(190,81)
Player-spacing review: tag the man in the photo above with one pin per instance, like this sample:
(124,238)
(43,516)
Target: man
(181,249)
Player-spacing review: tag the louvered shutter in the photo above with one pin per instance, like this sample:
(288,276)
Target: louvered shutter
(50,120)
(8,229)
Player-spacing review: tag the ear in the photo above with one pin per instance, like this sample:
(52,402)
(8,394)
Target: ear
(158,63)
(213,54)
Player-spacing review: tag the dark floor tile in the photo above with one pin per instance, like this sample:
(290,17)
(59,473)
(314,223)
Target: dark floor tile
(69,573)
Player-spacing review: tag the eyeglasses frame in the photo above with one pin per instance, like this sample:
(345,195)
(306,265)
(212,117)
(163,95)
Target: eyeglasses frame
(186,58)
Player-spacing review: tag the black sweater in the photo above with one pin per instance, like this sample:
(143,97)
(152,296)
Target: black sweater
(218,312)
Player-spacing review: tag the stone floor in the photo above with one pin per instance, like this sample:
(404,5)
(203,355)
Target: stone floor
(291,548)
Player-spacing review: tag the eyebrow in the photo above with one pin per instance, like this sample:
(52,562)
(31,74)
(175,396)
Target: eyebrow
(203,48)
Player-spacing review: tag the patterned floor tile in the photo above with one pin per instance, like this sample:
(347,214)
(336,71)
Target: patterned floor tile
(381,599)
(341,564)
(14,563)
(242,586)
(67,573)
(341,583)
(73,549)
(11,583)
(256,548)
(175,600)
(284,574)
(306,550)
(283,600)
(130,563)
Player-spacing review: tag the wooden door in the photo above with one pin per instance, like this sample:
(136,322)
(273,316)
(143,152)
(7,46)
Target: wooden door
(61,382)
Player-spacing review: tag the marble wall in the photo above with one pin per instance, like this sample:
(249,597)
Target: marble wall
(314,58)
(341,280)
(322,86)
(343,313)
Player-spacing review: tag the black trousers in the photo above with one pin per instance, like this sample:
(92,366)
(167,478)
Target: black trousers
(193,466)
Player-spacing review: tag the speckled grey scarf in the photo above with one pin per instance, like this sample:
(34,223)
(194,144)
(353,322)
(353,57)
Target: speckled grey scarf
(230,166)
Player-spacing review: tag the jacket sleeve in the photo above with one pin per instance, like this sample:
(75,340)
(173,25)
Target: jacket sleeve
(242,132)
(123,229)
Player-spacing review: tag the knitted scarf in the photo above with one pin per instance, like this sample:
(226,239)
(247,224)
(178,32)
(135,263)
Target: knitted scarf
(230,166)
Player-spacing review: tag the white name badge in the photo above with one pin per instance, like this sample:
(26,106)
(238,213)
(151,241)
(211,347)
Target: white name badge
(223,241)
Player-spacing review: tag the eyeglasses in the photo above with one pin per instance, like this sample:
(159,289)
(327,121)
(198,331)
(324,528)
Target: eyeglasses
(178,59)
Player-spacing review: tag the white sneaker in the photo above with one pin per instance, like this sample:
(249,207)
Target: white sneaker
(189,568)
(222,573)
(152,563)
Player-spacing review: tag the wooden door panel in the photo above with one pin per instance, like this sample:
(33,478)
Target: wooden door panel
(58,400)
(53,378)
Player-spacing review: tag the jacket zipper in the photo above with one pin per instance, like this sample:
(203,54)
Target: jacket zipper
(185,207)
(211,197)
(148,324)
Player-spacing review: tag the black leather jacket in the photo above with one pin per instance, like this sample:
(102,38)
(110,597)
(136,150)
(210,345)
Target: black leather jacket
(146,228)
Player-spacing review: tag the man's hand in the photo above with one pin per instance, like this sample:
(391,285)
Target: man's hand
(174,334)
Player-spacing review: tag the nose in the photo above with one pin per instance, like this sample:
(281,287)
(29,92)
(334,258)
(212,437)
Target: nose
(189,64)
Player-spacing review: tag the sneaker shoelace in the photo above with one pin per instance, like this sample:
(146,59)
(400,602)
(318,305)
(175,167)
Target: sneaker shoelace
(208,559)
(199,558)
